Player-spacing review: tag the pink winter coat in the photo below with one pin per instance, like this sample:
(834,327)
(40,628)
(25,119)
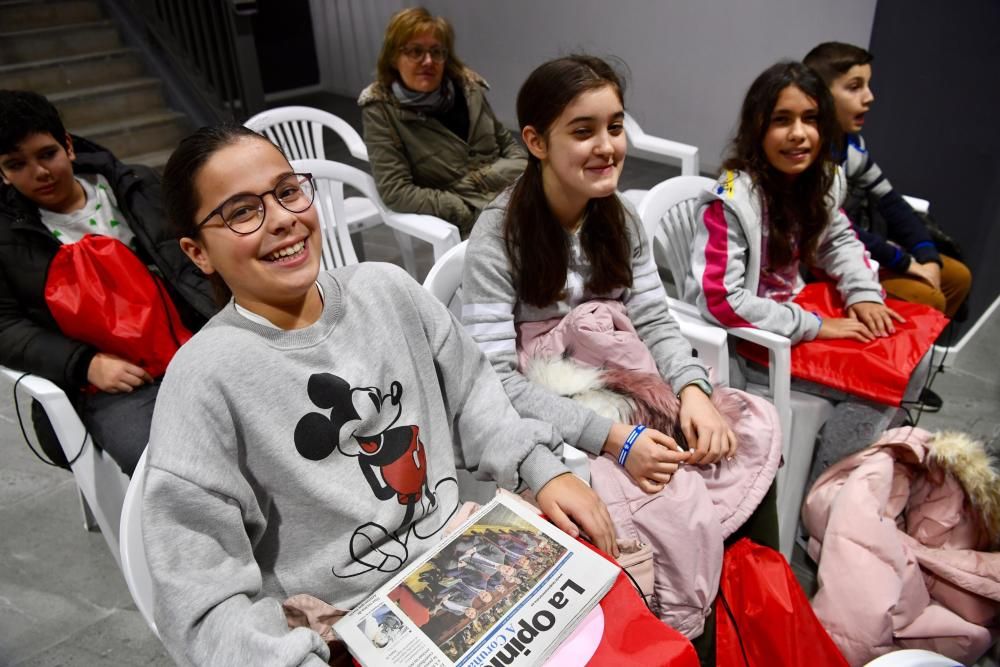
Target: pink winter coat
(687,521)
(904,533)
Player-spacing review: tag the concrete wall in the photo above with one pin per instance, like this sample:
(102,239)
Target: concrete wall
(690,62)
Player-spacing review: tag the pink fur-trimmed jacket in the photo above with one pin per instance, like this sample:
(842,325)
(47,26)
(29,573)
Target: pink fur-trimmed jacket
(905,533)
(595,356)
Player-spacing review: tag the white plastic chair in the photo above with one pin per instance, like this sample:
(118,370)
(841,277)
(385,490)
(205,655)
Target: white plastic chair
(445,279)
(135,568)
(330,178)
(299,132)
(669,214)
(913,657)
(657,148)
(99,480)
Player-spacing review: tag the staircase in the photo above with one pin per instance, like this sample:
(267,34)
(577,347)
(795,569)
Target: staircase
(70,52)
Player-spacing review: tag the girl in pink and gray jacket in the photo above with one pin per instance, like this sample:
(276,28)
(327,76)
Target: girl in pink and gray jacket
(768,217)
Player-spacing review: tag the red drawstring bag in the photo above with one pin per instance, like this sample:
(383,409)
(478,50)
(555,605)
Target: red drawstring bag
(763,617)
(879,370)
(100,293)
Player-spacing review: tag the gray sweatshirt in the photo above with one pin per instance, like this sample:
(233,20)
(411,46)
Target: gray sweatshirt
(492,309)
(316,461)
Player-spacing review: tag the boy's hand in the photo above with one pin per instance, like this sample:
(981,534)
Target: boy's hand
(115,375)
(653,459)
(709,437)
(930,273)
(569,502)
(876,317)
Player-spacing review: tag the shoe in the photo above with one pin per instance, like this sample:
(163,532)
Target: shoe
(932,402)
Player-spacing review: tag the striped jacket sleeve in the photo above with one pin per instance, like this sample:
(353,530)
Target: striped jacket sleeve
(488,316)
(646,304)
(719,267)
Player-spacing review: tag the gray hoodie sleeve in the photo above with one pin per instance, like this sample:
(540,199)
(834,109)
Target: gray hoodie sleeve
(844,259)
(646,303)
(208,605)
(488,315)
(491,438)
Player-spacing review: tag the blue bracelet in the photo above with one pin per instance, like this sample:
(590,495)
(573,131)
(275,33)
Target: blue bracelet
(629,441)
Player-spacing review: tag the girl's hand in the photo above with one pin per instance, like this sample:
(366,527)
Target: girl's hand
(569,502)
(653,459)
(709,437)
(876,316)
(844,327)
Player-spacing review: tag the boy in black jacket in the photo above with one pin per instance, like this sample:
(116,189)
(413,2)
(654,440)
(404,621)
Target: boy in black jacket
(56,188)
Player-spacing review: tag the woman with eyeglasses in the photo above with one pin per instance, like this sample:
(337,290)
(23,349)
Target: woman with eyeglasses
(305,441)
(434,143)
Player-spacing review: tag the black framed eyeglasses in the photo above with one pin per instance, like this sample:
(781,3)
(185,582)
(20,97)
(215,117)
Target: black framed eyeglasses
(244,213)
(416,53)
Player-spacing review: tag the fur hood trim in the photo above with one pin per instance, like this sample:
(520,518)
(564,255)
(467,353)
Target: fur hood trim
(975,469)
(624,396)
(584,384)
(376,92)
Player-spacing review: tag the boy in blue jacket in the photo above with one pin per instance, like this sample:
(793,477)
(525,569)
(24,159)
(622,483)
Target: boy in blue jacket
(912,267)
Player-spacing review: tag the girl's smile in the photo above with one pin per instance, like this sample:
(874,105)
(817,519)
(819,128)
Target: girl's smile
(791,142)
(271,271)
(582,152)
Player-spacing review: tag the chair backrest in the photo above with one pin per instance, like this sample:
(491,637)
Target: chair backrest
(299,132)
(913,657)
(135,568)
(646,145)
(668,213)
(330,178)
(445,278)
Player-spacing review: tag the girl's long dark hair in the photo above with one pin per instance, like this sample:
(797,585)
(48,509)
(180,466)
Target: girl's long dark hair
(796,209)
(537,244)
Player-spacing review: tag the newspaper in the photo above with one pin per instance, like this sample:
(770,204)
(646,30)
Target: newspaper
(504,589)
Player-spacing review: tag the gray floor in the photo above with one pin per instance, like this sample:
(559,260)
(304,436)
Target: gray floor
(63,601)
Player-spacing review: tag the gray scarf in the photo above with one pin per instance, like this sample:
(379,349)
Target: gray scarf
(434,102)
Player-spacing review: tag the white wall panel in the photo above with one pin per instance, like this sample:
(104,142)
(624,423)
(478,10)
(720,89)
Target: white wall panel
(691,61)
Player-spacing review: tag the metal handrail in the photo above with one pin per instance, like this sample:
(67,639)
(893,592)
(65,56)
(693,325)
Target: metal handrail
(209,45)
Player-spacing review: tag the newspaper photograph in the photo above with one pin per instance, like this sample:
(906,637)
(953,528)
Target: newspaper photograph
(504,589)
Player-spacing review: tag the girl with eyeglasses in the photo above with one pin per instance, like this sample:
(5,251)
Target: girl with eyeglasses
(305,442)
(434,143)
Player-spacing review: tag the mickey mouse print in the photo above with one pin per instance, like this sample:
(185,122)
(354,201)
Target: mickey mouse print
(362,423)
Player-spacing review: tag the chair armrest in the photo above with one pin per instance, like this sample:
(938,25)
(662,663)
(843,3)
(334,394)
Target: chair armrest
(710,343)
(37,387)
(917,204)
(440,234)
(780,360)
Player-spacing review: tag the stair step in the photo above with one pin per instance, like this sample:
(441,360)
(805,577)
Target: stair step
(156,160)
(113,100)
(73,72)
(138,135)
(66,40)
(25,15)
